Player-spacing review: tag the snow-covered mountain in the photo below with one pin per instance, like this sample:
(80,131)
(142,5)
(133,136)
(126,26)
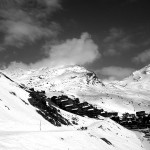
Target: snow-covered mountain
(136,87)
(129,95)
(139,80)
(57,78)
(22,127)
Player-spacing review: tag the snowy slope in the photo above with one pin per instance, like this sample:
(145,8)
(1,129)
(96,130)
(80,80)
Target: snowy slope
(20,127)
(16,113)
(104,135)
(136,88)
(77,81)
(139,80)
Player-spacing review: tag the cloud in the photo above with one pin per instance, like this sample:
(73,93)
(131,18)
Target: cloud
(18,33)
(28,21)
(133,1)
(31,3)
(75,51)
(116,42)
(146,42)
(115,72)
(53,3)
(71,52)
(142,57)
(2,48)
(13,66)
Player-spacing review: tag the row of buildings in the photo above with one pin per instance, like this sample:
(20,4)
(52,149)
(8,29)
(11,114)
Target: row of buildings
(74,106)
(138,120)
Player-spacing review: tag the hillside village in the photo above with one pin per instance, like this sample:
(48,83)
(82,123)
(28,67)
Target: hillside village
(132,121)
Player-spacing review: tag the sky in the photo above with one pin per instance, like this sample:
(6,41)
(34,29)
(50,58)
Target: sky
(109,37)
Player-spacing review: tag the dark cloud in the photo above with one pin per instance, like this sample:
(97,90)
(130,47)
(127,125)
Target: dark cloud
(2,48)
(142,57)
(30,3)
(146,42)
(26,21)
(133,1)
(116,42)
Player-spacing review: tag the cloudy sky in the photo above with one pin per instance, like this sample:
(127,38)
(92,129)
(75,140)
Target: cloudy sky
(110,37)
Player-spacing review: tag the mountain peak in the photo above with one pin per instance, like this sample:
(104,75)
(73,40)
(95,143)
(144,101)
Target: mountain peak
(62,78)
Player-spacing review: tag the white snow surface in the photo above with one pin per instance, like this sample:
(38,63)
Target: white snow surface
(15,111)
(20,127)
(98,136)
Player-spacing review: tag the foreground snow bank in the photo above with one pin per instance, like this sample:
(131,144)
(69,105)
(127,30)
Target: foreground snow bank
(101,135)
(145,141)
